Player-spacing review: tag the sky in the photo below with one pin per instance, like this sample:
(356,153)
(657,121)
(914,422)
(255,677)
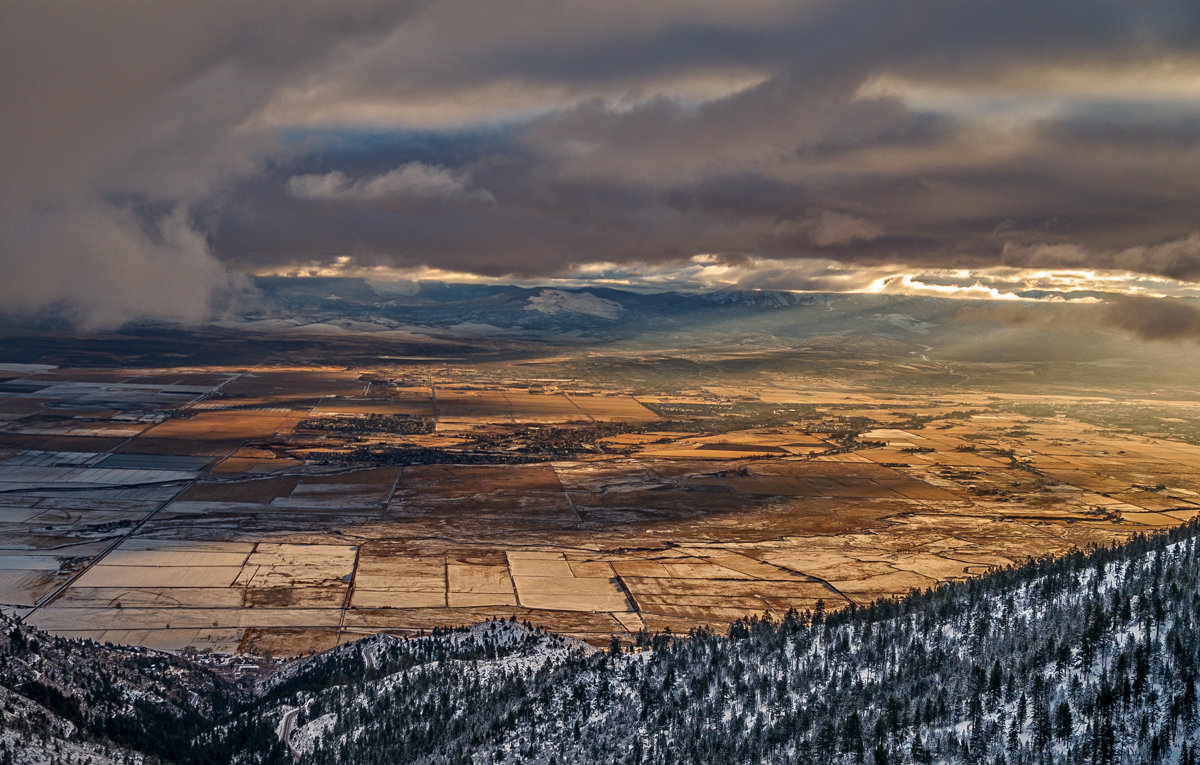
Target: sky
(155,154)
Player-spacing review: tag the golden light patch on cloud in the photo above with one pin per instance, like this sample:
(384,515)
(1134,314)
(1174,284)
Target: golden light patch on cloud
(1005,283)
(1025,94)
(334,103)
(1013,283)
(708,271)
(911,284)
(343,266)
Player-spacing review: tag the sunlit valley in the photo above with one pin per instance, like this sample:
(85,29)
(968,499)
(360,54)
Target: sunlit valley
(620,470)
(367,476)
(614,382)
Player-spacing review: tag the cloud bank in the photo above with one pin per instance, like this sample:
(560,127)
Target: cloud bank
(526,139)
(121,120)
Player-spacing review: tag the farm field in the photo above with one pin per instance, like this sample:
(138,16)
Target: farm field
(284,510)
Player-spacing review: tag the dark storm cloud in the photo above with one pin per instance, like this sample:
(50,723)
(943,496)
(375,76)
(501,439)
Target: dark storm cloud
(1174,258)
(1146,318)
(119,117)
(1155,318)
(527,137)
(757,170)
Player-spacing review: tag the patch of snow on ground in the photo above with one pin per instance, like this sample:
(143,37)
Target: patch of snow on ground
(905,322)
(557,301)
(306,737)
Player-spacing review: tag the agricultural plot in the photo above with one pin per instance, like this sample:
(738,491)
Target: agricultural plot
(228,425)
(526,407)
(472,405)
(613,408)
(178,590)
(766,442)
(495,496)
(335,405)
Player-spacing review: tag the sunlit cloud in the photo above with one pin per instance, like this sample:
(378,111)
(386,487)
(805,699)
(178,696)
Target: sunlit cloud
(1026,94)
(343,266)
(910,284)
(707,272)
(340,104)
(715,272)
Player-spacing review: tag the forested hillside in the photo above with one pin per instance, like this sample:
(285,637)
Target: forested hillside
(1091,658)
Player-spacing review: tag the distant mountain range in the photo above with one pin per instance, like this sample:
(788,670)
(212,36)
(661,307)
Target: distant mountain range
(595,314)
(474,309)
(878,325)
(330,320)
(1091,658)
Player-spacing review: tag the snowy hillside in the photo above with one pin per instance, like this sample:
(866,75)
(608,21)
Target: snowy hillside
(558,301)
(1091,658)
